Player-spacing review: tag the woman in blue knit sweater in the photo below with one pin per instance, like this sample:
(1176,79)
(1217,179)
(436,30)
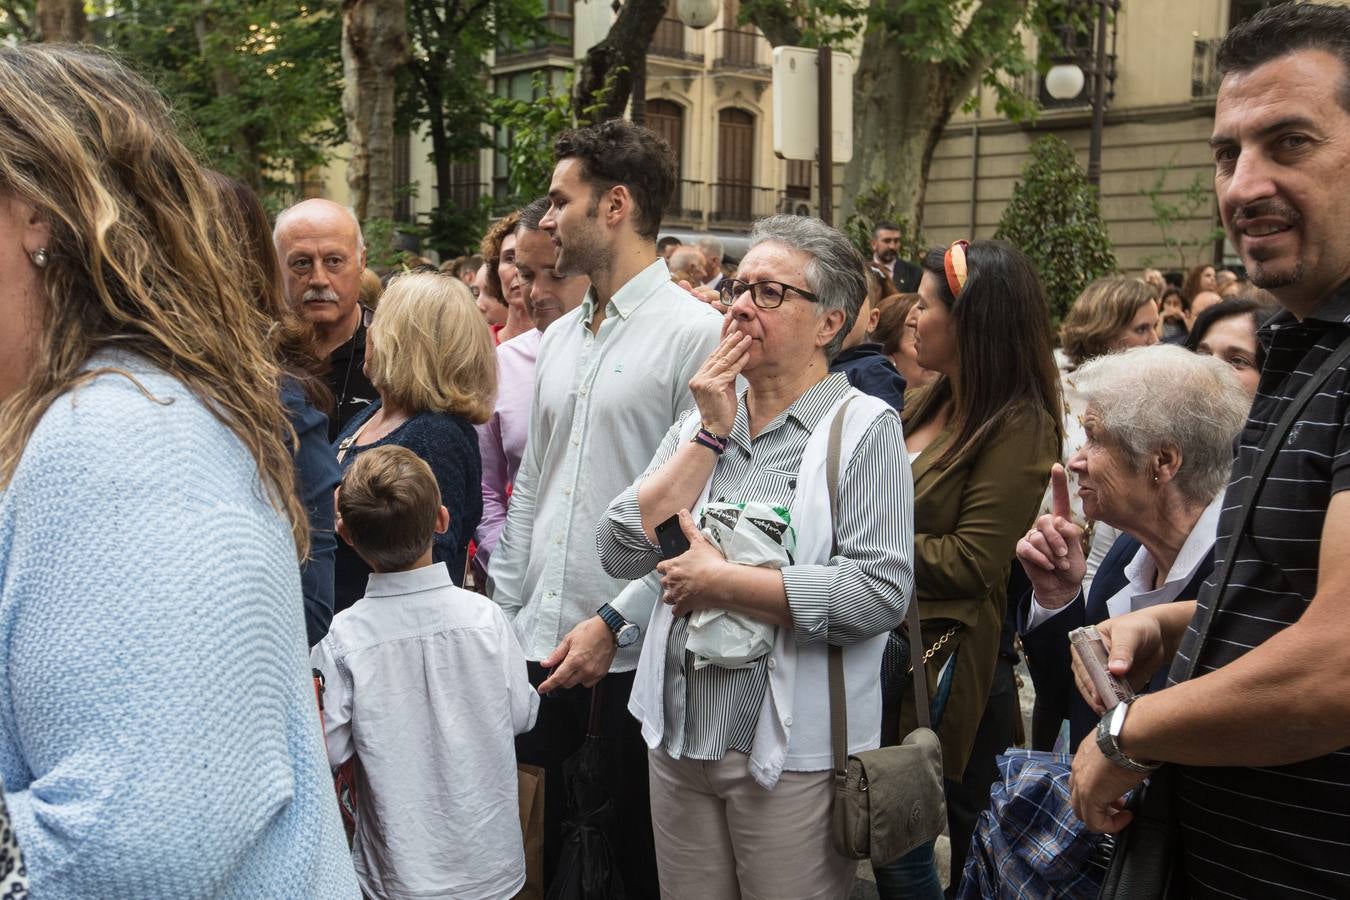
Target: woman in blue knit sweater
(431,358)
(158,730)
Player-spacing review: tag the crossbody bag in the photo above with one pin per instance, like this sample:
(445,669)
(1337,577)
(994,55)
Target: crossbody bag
(889,800)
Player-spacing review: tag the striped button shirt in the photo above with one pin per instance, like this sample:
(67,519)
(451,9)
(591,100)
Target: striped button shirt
(712,710)
(1280,830)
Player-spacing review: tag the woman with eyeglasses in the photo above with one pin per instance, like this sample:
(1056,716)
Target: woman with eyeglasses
(740,762)
(981,440)
(431,359)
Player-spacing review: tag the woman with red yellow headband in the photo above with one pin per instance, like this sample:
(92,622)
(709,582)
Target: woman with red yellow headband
(981,439)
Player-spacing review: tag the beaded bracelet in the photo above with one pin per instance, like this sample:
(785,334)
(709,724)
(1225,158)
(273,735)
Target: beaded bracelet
(713,442)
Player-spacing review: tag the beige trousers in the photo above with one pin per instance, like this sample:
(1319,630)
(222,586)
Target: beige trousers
(720,836)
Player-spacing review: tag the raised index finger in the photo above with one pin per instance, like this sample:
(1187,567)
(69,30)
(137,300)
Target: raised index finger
(1059,491)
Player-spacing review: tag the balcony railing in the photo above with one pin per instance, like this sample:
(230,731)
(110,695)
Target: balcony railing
(741,203)
(742,48)
(688,204)
(557,37)
(670,41)
(1204,69)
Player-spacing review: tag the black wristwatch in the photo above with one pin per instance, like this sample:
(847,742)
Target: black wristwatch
(626,634)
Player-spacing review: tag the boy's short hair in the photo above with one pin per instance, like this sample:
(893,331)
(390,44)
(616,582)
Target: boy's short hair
(388,503)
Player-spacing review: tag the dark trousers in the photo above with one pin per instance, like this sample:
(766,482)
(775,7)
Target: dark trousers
(969,798)
(559,732)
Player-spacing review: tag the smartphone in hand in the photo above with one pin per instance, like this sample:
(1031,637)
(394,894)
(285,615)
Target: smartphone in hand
(670,537)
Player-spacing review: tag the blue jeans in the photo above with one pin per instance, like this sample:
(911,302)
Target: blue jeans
(914,876)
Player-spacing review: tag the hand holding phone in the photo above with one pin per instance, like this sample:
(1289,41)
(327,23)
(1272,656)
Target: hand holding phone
(670,537)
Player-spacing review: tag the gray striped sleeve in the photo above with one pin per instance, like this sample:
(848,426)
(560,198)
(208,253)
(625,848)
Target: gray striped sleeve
(864,590)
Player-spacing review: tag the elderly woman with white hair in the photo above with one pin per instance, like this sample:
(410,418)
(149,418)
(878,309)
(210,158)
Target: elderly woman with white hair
(1160,424)
(740,754)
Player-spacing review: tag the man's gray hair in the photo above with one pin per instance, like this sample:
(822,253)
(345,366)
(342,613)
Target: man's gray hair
(711,246)
(1154,397)
(286,214)
(836,273)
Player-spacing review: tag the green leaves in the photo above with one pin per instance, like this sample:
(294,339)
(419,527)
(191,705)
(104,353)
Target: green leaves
(257,85)
(1196,200)
(1055,219)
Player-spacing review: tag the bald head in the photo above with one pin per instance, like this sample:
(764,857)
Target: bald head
(1199,303)
(689,262)
(322,255)
(323,213)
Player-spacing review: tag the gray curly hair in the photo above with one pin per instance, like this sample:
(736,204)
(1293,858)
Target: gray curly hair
(836,273)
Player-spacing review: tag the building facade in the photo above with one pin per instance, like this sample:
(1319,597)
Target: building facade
(709,93)
(1158,123)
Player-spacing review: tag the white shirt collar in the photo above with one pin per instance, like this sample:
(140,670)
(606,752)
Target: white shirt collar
(412,581)
(1139,592)
(632,294)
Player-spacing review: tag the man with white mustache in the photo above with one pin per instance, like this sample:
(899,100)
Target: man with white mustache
(322,255)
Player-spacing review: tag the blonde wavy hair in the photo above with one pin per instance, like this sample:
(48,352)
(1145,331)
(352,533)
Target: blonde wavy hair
(140,259)
(1105,308)
(429,348)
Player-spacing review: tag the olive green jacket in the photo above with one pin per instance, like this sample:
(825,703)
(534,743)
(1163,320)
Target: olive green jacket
(968,517)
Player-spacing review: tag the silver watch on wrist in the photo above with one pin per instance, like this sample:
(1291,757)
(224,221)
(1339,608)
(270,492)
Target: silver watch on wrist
(1108,739)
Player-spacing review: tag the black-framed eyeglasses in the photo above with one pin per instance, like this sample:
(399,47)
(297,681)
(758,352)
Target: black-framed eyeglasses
(764,294)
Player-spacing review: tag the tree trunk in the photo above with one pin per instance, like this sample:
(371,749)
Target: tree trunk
(374,47)
(900,108)
(226,82)
(62,21)
(902,99)
(607,74)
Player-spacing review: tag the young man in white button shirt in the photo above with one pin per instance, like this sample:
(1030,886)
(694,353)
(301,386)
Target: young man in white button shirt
(612,376)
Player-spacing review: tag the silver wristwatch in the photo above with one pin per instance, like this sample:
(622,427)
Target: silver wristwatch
(626,634)
(1108,739)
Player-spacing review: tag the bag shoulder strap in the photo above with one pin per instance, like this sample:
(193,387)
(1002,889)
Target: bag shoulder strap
(1264,460)
(838,697)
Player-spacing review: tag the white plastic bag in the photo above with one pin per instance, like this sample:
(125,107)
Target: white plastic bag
(753,534)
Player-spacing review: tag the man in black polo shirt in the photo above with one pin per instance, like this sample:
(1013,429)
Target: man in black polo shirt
(322,257)
(1260,735)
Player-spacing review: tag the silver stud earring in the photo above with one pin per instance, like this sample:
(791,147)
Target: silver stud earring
(40,258)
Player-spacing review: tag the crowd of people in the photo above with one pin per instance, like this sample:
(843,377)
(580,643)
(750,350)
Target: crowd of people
(303,570)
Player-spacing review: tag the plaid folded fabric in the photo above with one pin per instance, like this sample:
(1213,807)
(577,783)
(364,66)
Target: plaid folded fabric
(1029,845)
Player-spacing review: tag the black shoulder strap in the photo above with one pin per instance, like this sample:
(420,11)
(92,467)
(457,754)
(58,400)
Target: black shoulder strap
(1270,448)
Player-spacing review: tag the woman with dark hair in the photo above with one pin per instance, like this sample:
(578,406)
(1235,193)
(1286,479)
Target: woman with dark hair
(303,391)
(981,439)
(896,336)
(1228,330)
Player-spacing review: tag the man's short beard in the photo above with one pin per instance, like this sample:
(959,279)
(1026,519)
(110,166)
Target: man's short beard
(887,255)
(1271,280)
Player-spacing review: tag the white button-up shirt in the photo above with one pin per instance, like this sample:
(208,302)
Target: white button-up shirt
(427,685)
(602,404)
(1142,571)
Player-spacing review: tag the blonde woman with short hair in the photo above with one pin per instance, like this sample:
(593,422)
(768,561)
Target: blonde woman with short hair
(432,361)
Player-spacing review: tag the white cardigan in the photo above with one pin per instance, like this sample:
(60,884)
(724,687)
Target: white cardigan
(793,730)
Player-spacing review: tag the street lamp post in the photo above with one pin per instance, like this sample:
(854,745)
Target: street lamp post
(1065,81)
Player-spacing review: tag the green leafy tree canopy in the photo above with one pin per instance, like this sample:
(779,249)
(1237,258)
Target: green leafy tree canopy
(1055,219)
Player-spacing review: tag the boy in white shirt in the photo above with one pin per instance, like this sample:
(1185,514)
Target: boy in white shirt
(426,684)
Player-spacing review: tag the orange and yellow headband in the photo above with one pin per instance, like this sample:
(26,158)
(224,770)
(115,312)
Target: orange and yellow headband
(954,263)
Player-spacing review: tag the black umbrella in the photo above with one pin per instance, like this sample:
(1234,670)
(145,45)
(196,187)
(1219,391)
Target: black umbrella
(587,866)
